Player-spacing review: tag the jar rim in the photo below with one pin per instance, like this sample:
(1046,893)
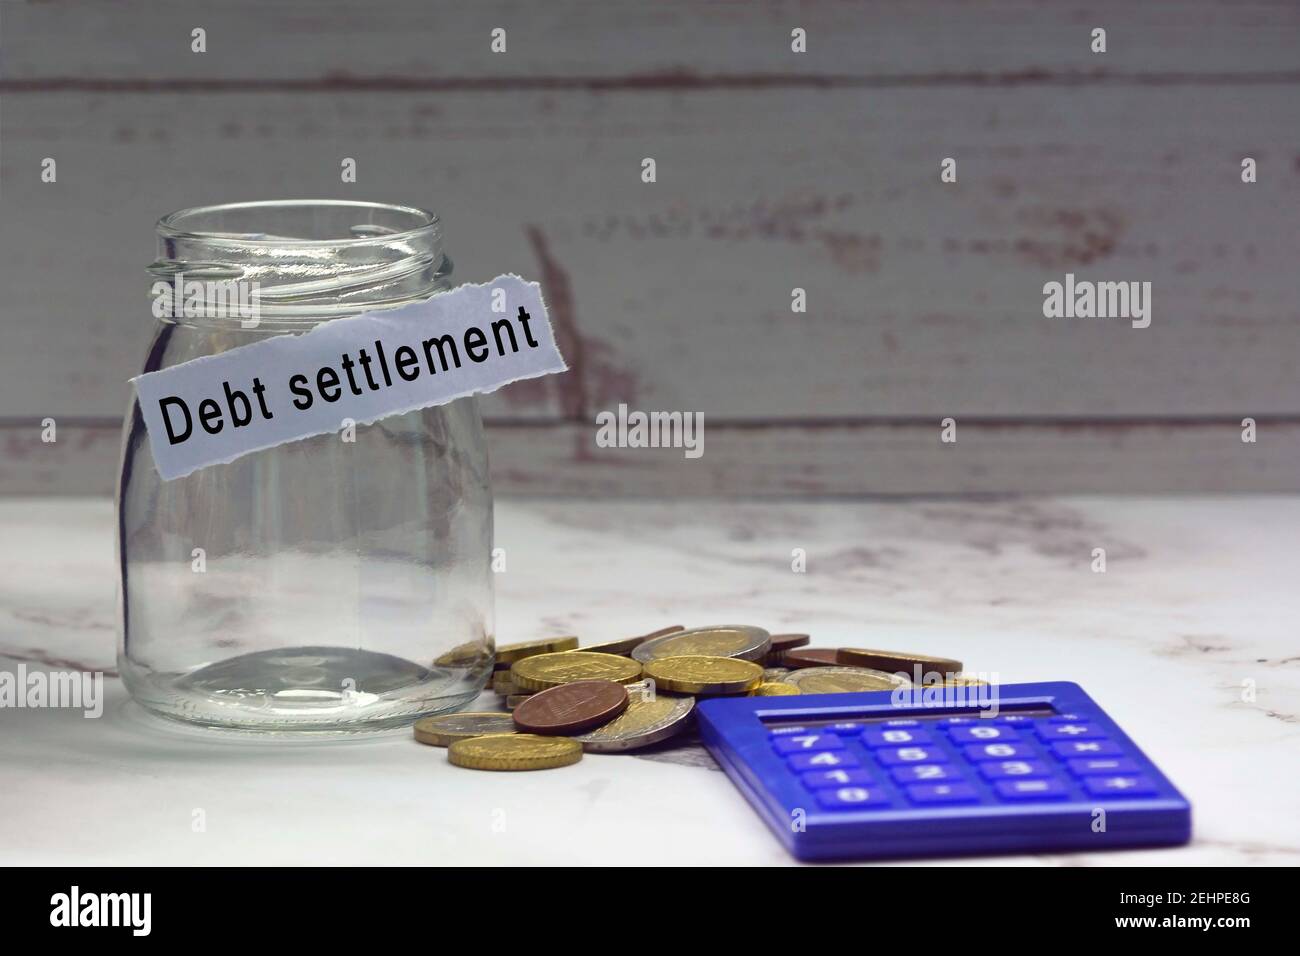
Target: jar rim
(170,225)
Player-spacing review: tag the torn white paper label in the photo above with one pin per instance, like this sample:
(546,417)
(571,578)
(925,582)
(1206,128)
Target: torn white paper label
(470,340)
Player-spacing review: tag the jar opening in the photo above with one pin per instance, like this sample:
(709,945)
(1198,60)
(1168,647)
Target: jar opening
(296,262)
(298,221)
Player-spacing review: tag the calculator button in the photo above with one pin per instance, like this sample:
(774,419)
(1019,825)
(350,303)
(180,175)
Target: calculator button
(785,731)
(1014,769)
(1013,720)
(846,728)
(1086,748)
(984,733)
(942,793)
(852,798)
(1031,789)
(900,722)
(1120,786)
(806,743)
(822,760)
(895,737)
(925,773)
(1068,719)
(958,721)
(1093,766)
(894,756)
(1048,731)
(978,752)
(823,779)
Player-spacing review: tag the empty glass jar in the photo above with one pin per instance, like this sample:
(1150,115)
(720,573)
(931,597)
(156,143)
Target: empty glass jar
(337,583)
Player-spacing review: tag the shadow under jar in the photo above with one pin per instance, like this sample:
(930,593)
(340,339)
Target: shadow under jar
(324,585)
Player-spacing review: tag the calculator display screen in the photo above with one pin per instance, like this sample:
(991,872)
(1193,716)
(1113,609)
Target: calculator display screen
(926,714)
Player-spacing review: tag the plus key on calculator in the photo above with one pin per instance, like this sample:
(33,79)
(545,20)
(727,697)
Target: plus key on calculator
(844,776)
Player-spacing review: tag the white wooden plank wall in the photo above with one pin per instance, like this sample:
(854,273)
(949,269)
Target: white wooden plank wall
(775,170)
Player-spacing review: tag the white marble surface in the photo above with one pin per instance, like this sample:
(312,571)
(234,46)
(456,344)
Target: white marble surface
(1200,595)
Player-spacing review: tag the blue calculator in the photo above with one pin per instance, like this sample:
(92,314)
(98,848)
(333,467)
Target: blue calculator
(839,776)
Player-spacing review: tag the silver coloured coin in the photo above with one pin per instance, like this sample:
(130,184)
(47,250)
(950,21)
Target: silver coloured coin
(842,680)
(441,729)
(645,722)
(726,640)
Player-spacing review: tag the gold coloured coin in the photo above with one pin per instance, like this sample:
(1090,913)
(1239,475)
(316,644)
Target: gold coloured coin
(774,689)
(509,653)
(552,670)
(698,674)
(916,667)
(959,680)
(514,752)
(441,730)
(730,640)
(842,680)
(619,648)
(627,645)
(645,722)
(502,684)
(464,655)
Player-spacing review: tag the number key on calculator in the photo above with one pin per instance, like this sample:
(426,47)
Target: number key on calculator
(843,776)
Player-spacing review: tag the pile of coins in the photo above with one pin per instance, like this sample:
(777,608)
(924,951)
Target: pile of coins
(564,700)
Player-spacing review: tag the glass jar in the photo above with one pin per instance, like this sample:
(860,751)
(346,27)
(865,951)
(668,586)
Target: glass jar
(337,583)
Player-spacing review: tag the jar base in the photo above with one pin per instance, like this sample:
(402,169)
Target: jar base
(312,690)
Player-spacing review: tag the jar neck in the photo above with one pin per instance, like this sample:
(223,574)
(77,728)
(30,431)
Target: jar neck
(290,265)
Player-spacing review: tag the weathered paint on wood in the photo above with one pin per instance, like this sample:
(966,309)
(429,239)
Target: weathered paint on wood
(923,298)
(775,171)
(802,459)
(634,44)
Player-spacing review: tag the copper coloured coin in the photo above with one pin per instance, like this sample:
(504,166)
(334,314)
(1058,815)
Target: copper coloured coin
(572,708)
(809,657)
(918,667)
(787,642)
